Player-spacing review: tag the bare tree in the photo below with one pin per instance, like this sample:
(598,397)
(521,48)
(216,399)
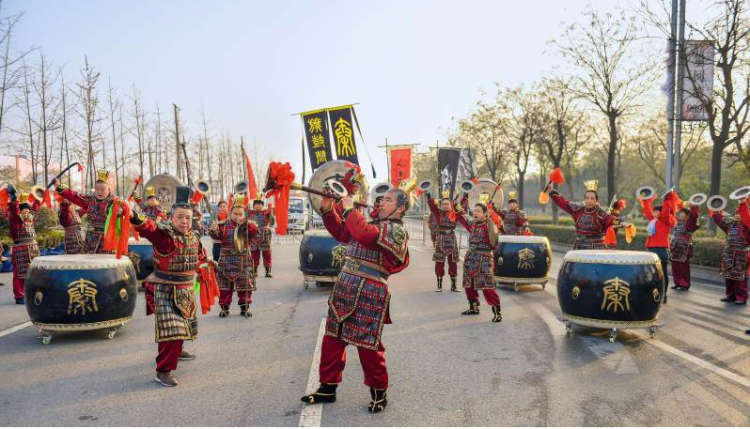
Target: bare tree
(484,132)
(114,105)
(88,111)
(524,110)
(612,73)
(48,104)
(8,64)
(139,116)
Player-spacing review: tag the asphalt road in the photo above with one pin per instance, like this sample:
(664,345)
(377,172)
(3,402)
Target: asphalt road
(445,369)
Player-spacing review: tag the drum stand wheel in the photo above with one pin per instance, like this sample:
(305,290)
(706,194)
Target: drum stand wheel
(652,331)
(111,332)
(544,285)
(568,328)
(46,337)
(515,286)
(612,335)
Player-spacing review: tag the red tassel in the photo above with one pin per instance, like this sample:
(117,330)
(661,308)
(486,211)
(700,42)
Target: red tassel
(556,176)
(610,237)
(80,167)
(47,198)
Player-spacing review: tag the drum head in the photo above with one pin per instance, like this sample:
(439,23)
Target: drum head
(165,187)
(333,170)
(79,262)
(531,239)
(613,257)
(140,242)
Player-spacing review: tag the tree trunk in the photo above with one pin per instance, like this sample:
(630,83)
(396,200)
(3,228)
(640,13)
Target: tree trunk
(521,178)
(612,157)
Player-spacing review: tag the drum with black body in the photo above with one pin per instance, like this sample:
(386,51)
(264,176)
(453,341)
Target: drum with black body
(320,257)
(611,289)
(521,259)
(141,253)
(80,293)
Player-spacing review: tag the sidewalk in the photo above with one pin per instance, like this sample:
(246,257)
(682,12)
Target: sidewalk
(697,272)
(10,313)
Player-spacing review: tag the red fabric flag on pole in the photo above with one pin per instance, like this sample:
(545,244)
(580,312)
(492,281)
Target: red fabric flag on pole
(400,165)
(251,185)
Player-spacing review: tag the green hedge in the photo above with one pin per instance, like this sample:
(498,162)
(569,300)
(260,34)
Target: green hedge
(706,250)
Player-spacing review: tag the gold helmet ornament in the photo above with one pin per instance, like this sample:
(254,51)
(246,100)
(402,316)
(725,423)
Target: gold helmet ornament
(591,185)
(239,200)
(102,175)
(150,192)
(512,196)
(23,198)
(446,194)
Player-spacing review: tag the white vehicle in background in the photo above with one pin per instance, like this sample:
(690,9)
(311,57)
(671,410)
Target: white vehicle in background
(298,213)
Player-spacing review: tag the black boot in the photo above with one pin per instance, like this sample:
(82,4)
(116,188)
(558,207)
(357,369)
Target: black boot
(255,271)
(498,316)
(439,284)
(326,393)
(224,311)
(379,400)
(268,271)
(454,288)
(245,311)
(473,308)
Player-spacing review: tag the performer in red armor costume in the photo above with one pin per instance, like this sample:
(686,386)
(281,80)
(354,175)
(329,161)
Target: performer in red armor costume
(479,262)
(70,219)
(446,243)
(734,260)
(681,247)
(359,302)
(96,206)
(177,253)
(514,220)
(222,213)
(22,215)
(591,221)
(151,208)
(260,245)
(235,271)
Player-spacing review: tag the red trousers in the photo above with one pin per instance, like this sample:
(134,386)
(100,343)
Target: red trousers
(333,360)
(169,353)
(452,267)
(490,295)
(243,297)
(736,289)
(17,286)
(681,273)
(266,257)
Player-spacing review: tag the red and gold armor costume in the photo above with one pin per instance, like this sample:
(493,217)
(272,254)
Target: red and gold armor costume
(591,225)
(681,247)
(359,302)
(154,212)
(171,286)
(235,269)
(479,261)
(25,247)
(260,245)
(96,217)
(446,244)
(70,220)
(514,221)
(734,258)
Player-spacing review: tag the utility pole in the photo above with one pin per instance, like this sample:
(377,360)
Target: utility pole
(178,150)
(678,104)
(671,65)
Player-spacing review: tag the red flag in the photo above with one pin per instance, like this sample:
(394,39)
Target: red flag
(251,186)
(47,200)
(400,165)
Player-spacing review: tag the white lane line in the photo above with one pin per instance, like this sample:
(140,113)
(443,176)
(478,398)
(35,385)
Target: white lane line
(729,375)
(13,329)
(312,414)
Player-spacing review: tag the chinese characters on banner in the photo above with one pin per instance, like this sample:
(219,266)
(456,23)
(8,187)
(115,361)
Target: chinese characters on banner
(448,159)
(343,133)
(698,80)
(400,165)
(318,141)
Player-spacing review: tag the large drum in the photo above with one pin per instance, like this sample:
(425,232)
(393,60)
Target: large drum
(611,289)
(80,293)
(521,259)
(141,253)
(320,257)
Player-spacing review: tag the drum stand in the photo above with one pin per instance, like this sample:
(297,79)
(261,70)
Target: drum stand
(612,331)
(46,336)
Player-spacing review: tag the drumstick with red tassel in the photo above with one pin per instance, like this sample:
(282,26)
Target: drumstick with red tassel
(556,177)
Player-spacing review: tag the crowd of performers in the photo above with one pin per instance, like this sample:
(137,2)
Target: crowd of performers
(376,248)
(242,236)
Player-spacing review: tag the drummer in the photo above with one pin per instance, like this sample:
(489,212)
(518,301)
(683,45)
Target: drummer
(479,262)
(260,244)
(734,260)
(591,221)
(97,207)
(514,220)
(151,207)
(177,253)
(70,220)
(221,217)
(235,271)
(22,215)
(446,244)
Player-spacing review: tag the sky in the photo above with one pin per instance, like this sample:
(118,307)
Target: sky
(412,65)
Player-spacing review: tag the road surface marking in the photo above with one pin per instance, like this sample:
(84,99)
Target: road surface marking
(312,414)
(13,329)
